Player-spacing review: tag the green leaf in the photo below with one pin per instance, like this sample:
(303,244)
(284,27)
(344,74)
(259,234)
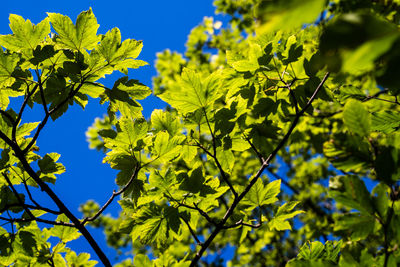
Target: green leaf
(271,191)
(194,182)
(193,92)
(245,64)
(260,195)
(348,153)
(317,255)
(120,55)
(154,224)
(25,34)
(357,118)
(351,192)
(66,234)
(77,37)
(165,149)
(385,121)
(293,51)
(311,250)
(359,225)
(8,62)
(163,181)
(165,121)
(226,158)
(141,260)
(134,88)
(48,164)
(26,129)
(255,195)
(362,59)
(279,222)
(286,15)
(82,260)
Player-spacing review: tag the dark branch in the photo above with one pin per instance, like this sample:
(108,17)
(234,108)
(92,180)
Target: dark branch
(226,180)
(241,223)
(25,207)
(23,220)
(202,212)
(21,111)
(72,93)
(42,92)
(114,194)
(259,155)
(32,207)
(214,156)
(191,231)
(44,187)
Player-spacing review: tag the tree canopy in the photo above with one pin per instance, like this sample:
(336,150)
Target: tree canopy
(280,143)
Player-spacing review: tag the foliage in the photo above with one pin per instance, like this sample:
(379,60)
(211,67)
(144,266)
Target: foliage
(301,94)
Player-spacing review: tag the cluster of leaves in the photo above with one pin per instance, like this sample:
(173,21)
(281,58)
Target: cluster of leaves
(53,71)
(301,94)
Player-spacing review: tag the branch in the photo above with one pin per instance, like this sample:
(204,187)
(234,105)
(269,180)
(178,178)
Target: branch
(241,223)
(19,117)
(264,165)
(44,187)
(259,155)
(42,92)
(8,206)
(48,114)
(24,220)
(202,212)
(114,194)
(288,85)
(226,180)
(191,231)
(25,207)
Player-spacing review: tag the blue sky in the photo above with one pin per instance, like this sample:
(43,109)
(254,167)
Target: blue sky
(161,25)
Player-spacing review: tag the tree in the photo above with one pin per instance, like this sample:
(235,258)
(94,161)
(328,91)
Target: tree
(301,94)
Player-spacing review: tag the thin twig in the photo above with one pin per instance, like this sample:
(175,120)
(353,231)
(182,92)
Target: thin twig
(27,210)
(191,231)
(288,86)
(8,206)
(214,157)
(202,212)
(259,155)
(241,223)
(72,93)
(19,117)
(29,194)
(24,220)
(114,194)
(42,92)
